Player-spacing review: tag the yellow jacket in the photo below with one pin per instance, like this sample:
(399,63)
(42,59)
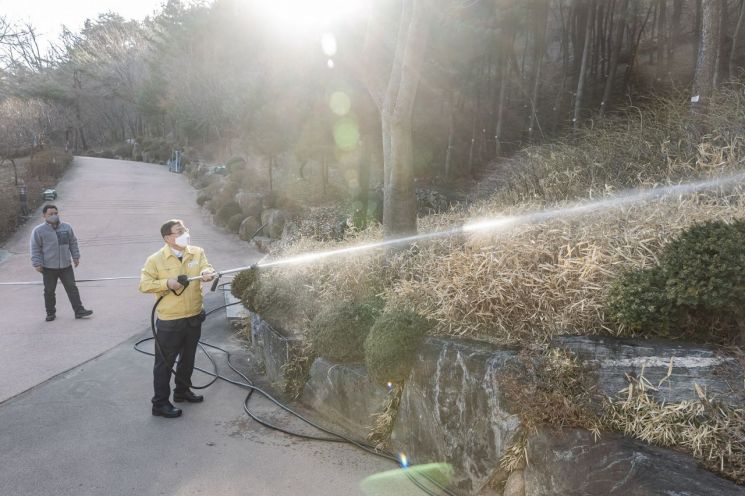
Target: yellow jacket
(163,265)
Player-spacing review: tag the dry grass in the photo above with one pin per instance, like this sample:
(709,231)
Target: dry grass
(712,432)
(380,431)
(550,388)
(295,371)
(530,282)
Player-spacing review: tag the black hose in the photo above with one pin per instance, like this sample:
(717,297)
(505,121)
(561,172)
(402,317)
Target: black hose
(336,437)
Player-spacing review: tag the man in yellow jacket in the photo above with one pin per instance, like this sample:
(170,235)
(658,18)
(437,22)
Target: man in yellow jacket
(180,314)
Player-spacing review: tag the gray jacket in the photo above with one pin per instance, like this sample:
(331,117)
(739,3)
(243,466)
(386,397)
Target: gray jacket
(53,248)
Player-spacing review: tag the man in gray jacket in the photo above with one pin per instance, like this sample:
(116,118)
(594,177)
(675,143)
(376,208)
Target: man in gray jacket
(54,249)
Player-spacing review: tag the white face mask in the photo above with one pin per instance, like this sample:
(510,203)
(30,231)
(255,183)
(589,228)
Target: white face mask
(183,240)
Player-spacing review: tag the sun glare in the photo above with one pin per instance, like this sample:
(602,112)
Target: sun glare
(310,13)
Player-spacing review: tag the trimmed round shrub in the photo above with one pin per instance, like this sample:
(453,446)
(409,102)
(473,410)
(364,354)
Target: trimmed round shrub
(638,301)
(235,163)
(705,267)
(245,286)
(227,211)
(338,332)
(234,223)
(698,290)
(391,345)
(244,280)
(281,302)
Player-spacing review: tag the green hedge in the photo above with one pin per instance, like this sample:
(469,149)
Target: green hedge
(391,345)
(338,332)
(698,289)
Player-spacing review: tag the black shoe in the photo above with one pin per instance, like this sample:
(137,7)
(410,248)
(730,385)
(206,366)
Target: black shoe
(167,411)
(188,396)
(51,317)
(83,313)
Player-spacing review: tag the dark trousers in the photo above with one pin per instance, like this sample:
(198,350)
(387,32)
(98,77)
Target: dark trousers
(67,276)
(180,338)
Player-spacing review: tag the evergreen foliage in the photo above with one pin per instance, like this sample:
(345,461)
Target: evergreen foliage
(698,289)
(338,332)
(226,212)
(391,345)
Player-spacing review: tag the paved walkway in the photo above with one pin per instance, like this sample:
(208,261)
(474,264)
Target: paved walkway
(116,208)
(74,396)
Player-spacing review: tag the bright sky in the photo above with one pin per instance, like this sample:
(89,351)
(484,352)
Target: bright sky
(48,16)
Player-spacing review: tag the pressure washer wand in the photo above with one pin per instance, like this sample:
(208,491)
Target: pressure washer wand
(216,280)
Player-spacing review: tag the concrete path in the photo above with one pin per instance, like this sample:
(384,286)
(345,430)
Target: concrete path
(116,208)
(74,395)
(89,432)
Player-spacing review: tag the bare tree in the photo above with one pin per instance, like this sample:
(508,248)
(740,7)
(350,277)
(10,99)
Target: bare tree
(703,76)
(590,9)
(735,38)
(396,108)
(615,52)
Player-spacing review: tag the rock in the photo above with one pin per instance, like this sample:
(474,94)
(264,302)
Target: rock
(452,411)
(345,394)
(569,462)
(611,359)
(275,222)
(272,348)
(263,244)
(430,201)
(248,227)
(515,485)
(290,232)
(250,203)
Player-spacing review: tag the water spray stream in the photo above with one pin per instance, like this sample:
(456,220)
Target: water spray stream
(625,198)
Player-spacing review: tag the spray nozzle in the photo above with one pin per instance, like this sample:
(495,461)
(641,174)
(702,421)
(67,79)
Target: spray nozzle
(215,281)
(183,279)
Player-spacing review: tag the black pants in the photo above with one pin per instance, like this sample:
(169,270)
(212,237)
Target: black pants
(67,276)
(176,338)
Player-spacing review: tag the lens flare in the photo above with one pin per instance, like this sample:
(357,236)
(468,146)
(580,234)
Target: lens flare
(403,459)
(414,480)
(346,134)
(328,44)
(340,103)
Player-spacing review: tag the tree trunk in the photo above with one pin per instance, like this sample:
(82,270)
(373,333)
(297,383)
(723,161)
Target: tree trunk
(635,48)
(270,166)
(363,173)
(583,69)
(615,52)
(399,203)
(697,30)
(721,41)
(506,41)
(540,49)
(661,39)
(473,142)
(733,51)
(674,34)
(451,136)
(703,77)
